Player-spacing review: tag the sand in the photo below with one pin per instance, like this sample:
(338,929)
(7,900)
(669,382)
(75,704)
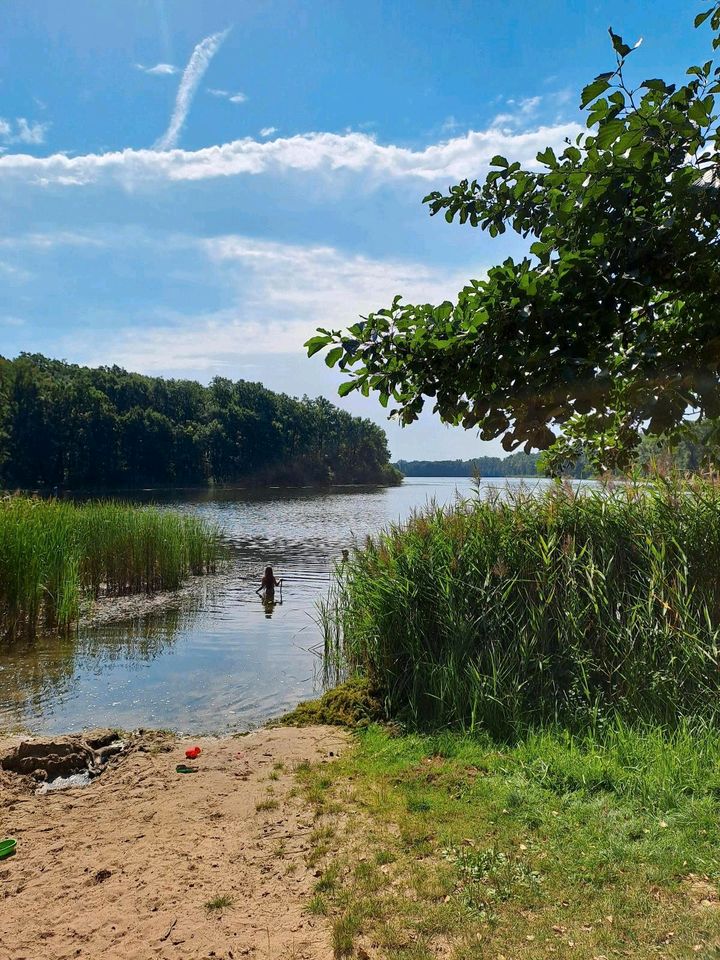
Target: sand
(125,867)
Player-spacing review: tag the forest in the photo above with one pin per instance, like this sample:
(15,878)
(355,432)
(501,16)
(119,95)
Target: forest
(516,465)
(75,427)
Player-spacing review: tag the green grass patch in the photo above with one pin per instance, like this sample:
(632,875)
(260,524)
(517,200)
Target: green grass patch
(219,903)
(556,846)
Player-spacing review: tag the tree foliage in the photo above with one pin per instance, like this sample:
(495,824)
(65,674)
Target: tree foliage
(609,327)
(66,425)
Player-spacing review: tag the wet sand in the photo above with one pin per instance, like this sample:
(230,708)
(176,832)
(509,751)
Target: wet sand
(125,868)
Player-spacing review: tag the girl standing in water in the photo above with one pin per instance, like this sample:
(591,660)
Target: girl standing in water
(268,584)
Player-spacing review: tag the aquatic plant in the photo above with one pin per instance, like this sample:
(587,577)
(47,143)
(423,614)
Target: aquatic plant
(566,606)
(56,555)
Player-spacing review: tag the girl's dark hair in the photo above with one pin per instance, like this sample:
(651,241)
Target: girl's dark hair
(269,572)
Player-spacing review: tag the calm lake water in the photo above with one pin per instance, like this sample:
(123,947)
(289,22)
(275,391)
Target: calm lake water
(216,661)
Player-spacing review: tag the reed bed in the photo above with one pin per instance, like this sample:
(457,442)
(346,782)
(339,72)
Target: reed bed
(56,555)
(565,607)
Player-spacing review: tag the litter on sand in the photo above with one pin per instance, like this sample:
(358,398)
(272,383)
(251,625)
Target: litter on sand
(7,848)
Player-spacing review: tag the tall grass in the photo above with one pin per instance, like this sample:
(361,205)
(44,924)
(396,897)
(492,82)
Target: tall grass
(56,554)
(560,607)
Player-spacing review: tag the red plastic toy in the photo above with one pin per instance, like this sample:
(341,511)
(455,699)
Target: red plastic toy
(193,753)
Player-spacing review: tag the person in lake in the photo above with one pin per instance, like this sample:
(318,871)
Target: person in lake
(268,584)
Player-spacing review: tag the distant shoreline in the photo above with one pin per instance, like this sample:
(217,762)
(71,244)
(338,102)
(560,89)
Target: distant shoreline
(44,491)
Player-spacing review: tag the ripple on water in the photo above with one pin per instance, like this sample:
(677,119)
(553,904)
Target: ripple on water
(228,663)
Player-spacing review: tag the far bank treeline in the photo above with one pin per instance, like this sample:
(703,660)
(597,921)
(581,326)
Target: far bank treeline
(516,465)
(73,426)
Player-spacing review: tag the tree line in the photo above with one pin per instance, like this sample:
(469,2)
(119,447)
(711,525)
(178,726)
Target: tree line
(516,465)
(71,426)
(695,451)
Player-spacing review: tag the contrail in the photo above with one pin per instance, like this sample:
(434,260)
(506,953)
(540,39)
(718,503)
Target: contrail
(192,75)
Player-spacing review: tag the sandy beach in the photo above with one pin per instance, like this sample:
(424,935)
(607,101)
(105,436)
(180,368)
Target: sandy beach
(147,862)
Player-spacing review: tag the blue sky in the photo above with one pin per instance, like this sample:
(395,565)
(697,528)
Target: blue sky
(188,188)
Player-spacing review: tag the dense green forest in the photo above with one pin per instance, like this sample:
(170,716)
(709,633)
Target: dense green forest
(516,465)
(72,426)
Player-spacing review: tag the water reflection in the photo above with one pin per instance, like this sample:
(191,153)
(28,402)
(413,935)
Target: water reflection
(269,603)
(226,659)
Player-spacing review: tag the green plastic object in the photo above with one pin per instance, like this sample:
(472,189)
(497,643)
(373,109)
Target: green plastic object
(7,848)
(184,768)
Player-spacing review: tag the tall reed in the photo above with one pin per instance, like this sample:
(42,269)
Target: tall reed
(559,607)
(55,554)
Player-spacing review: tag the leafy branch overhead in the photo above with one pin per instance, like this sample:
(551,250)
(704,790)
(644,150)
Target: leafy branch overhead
(609,327)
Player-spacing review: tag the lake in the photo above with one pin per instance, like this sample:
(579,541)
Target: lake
(217,660)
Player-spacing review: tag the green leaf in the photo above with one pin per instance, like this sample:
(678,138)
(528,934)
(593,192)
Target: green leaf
(702,17)
(498,161)
(655,84)
(609,132)
(547,156)
(315,344)
(593,90)
(333,356)
(345,388)
(619,45)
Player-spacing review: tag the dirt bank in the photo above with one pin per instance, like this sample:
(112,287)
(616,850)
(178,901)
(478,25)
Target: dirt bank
(149,863)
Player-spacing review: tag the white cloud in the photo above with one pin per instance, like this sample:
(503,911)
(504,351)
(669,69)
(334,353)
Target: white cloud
(450,125)
(297,287)
(23,131)
(268,131)
(522,111)
(238,97)
(50,241)
(13,272)
(159,70)
(33,133)
(310,152)
(192,75)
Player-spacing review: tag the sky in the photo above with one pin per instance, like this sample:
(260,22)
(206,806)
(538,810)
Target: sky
(189,189)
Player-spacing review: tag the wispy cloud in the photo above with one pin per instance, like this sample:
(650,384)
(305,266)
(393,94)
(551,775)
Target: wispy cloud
(268,131)
(23,131)
(355,153)
(159,70)
(520,113)
(238,97)
(299,286)
(192,75)
(52,240)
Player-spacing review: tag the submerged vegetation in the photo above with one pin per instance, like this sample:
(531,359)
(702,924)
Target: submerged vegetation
(70,426)
(56,555)
(563,607)
(350,704)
